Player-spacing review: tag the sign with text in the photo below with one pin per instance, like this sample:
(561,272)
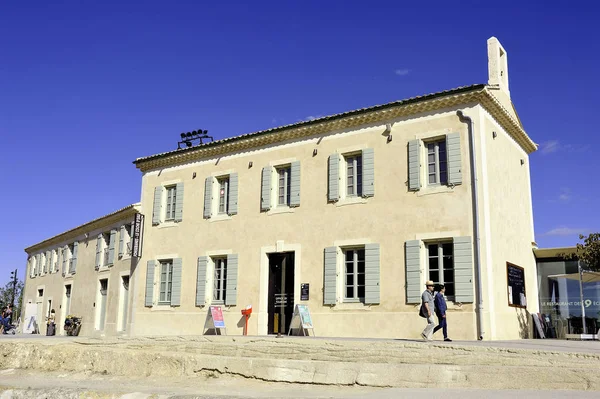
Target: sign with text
(515,277)
(217,316)
(304,291)
(301,320)
(136,238)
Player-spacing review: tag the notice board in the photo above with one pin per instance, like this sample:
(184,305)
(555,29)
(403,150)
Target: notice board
(515,277)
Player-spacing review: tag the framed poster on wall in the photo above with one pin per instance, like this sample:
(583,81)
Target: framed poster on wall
(515,278)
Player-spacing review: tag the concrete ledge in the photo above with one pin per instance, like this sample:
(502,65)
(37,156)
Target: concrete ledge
(310,361)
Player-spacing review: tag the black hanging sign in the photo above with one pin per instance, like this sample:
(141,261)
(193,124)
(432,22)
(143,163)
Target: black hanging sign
(136,239)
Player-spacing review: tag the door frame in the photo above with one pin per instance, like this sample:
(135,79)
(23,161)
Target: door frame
(123,305)
(263,302)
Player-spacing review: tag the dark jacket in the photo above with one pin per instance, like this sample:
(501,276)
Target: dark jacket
(440,304)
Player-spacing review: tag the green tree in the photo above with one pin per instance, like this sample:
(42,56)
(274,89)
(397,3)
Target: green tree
(588,252)
(6,296)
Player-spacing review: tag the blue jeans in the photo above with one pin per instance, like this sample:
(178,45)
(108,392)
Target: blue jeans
(442,326)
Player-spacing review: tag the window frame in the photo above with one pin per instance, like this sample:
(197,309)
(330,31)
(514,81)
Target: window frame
(219,294)
(225,197)
(356,263)
(168,291)
(283,179)
(170,202)
(355,158)
(438,171)
(441,269)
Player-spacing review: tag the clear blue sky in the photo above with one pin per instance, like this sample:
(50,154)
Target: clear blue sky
(87,88)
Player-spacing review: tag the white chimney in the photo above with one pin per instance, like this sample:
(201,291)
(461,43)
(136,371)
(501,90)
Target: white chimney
(497,65)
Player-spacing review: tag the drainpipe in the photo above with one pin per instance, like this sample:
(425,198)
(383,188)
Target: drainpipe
(479,310)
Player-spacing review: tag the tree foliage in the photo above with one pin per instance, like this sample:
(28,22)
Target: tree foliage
(588,252)
(6,296)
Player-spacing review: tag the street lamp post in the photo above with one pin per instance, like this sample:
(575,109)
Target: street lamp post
(14,281)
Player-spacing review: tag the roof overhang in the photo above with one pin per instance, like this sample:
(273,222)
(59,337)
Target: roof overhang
(432,102)
(73,234)
(552,253)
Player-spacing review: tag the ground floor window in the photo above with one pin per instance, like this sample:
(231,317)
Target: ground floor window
(220,280)
(440,265)
(166,282)
(354,269)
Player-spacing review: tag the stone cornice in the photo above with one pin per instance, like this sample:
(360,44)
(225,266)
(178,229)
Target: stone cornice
(475,94)
(77,232)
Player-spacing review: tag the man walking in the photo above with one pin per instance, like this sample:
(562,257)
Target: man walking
(440,311)
(427,308)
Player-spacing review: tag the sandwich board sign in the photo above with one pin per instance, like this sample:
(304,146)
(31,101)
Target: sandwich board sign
(301,320)
(214,319)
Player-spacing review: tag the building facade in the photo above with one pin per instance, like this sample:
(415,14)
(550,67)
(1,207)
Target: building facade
(84,272)
(348,214)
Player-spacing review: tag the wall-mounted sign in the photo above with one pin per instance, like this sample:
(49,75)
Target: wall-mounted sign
(515,277)
(304,291)
(136,239)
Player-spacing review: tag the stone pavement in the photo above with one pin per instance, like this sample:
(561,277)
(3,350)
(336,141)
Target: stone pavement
(323,363)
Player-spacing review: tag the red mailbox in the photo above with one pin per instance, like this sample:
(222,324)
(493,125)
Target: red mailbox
(247,312)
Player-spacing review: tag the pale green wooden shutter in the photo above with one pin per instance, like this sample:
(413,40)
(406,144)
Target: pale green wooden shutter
(372,274)
(368,172)
(208,188)
(98,251)
(333,192)
(122,241)
(46,262)
(150,282)
(157,207)
(179,202)
(31,261)
(233,194)
(232,280)
(454,159)
(37,264)
(73,268)
(201,281)
(51,262)
(295,184)
(265,193)
(414,165)
(412,252)
(176,283)
(111,247)
(330,276)
(64,260)
(463,270)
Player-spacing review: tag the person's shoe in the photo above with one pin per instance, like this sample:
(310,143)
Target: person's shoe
(424,337)
(447,340)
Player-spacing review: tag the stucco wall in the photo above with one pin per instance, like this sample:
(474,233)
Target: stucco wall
(508,208)
(84,286)
(393,216)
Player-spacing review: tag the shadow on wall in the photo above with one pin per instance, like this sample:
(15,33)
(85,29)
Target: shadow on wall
(524,318)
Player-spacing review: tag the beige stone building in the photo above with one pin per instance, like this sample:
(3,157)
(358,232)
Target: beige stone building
(84,272)
(349,214)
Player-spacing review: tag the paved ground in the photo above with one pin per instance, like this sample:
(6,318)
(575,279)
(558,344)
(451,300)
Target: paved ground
(557,345)
(24,384)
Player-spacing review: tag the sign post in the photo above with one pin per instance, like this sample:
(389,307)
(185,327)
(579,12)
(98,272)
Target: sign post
(136,239)
(214,320)
(301,320)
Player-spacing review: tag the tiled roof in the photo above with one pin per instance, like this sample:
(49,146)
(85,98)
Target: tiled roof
(411,100)
(73,230)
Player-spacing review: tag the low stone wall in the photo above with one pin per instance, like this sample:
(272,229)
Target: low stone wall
(310,361)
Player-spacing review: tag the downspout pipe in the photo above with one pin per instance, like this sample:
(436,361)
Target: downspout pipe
(479,309)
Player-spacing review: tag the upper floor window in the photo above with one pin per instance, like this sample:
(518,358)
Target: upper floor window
(220,280)
(440,265)
(171,198)
(437,166)
(283,186)
(354,181)
(166,282)
(354,270)
(223,195)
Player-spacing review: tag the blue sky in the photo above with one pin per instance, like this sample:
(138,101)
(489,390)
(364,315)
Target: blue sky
(86,88)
